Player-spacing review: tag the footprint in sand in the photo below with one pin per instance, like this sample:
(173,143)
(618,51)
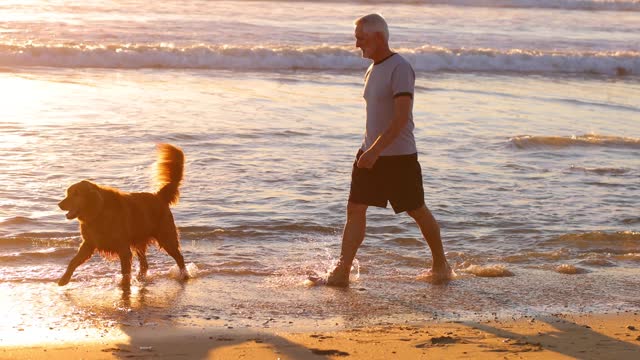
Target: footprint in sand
(438,341)
(330,352)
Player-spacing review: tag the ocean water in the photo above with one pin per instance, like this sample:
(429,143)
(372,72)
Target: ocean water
(527,123)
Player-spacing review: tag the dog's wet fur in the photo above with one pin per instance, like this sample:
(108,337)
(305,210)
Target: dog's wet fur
(116,223)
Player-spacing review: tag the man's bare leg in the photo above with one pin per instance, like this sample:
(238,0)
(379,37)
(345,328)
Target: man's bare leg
(352,238)
(440,268)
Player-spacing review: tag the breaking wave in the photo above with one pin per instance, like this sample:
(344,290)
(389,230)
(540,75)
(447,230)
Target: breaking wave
(310,58)
(591,5)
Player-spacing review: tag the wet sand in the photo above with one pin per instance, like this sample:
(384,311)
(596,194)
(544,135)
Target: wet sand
(559,336)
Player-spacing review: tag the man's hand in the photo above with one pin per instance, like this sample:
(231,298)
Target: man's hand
(367,159)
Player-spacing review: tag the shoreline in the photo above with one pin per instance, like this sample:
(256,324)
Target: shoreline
(558,336)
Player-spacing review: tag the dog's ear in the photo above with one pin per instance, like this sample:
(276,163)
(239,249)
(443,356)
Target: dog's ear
(92,196)
(95,196)
(86,184)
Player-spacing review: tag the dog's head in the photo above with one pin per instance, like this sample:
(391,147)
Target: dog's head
(83,200)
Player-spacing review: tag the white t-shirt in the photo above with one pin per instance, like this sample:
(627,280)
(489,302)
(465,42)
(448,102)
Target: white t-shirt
(384,81)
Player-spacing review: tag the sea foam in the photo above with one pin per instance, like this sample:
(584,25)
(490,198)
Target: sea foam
(593,5)
(488,271)
(314,58)
(529,141)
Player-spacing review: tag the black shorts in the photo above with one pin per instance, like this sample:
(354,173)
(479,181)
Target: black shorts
(394,179)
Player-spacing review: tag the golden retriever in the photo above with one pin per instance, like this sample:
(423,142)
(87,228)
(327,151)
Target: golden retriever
(116,223)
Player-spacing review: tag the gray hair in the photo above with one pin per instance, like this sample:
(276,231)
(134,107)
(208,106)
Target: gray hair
(373,23)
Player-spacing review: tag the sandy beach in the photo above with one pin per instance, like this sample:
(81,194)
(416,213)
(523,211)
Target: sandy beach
(524,115)
(561,336)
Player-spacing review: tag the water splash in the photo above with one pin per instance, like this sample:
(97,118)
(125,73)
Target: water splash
(191,271)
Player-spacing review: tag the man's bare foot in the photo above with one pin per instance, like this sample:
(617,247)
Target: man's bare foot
(338,278)
(438,274)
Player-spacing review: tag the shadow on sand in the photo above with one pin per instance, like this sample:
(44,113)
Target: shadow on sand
(175,337)
(174,340)
(565,337)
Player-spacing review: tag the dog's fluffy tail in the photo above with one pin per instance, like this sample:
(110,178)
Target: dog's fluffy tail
(169,171)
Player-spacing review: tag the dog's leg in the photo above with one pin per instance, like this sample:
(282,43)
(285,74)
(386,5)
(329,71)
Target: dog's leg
(125,264)
(84,253)
(144,265)
(174,252)
(177,256)
(169,241)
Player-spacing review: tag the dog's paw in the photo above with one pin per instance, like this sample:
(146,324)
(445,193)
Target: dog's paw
(63,281)
(126,279)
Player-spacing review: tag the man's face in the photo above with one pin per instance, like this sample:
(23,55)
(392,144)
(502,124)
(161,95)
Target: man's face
(365,42)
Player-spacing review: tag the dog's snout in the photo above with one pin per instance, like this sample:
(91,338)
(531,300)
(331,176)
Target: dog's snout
(61,204)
